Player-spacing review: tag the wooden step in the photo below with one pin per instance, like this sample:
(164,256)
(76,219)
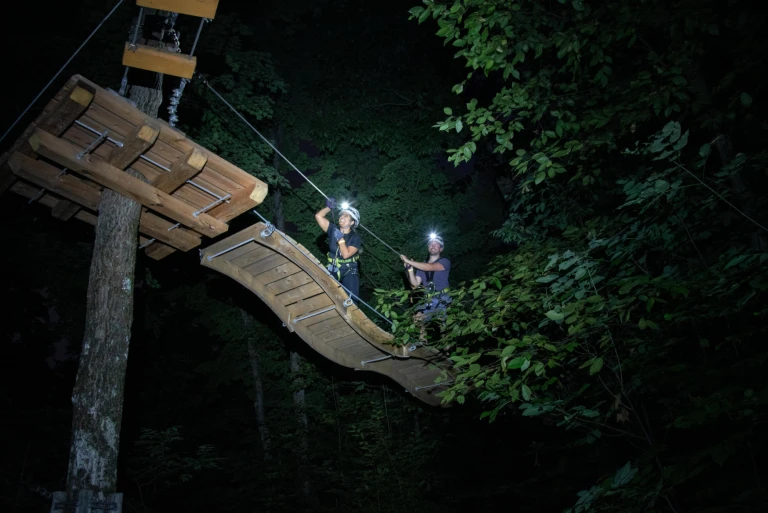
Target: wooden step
(159,61)
(199,8)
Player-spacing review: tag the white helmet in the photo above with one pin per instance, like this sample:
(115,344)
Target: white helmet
(437,238)
(353,213)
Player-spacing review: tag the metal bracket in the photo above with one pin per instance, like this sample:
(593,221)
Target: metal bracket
(269,230)
(348,302)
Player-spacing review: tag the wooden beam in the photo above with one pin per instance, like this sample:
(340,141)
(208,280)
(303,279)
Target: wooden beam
(65,210)
(158,228)
(65,153)
(158,250)
(159,61)
(48,176)
(182,170)
(142,138)
(199,8)
(68,109)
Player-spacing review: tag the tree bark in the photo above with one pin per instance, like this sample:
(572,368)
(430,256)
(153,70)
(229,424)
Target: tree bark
(97,400)
(258,390)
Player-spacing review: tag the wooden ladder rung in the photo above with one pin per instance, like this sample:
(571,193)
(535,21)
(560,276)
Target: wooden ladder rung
(199,8)
(159,61)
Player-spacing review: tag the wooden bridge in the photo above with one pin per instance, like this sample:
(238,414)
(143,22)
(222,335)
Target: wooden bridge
(296,286)
(88,138)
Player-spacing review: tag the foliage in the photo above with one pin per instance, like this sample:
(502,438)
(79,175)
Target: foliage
(631,311)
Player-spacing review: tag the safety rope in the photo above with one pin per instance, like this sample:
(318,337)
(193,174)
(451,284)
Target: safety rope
(60,70)
(312,259)
(283,156)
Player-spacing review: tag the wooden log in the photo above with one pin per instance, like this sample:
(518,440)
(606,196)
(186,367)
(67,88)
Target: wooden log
(169,136)
(65,210)
(199,8)
(109,176)
(51,177)
(69,109)
(159,61)
(142,138)
(184,168)
(158,228)
(158,250)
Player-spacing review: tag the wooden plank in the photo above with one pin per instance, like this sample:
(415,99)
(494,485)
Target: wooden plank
(327,324)
(256,254)
(69,109)
(330,314)
(65,154)
(65,210)
(158,250)
(51,177)
(265,264)
(296,278)
(184,168)
(159,61)
(170,137)
(139,141)
(158,228)
(310,305)
(298,294)
(199,8)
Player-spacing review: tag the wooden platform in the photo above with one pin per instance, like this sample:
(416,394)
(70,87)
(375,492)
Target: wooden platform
(62,161)
(312,304)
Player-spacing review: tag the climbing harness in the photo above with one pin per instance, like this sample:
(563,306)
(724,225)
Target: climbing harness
(60,70)
(235,111)
(311,257)
(335,265)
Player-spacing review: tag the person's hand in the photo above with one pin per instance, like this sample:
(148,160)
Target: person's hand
(404,259)
(330,203)
(337,235)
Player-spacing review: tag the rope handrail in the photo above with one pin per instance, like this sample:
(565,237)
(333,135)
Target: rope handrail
(313,260)
(60,70)
(238,114)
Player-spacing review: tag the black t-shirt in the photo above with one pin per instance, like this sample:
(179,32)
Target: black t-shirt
(352,239)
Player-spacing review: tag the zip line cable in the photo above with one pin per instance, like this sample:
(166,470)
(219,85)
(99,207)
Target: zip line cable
(283,156)
(60,70)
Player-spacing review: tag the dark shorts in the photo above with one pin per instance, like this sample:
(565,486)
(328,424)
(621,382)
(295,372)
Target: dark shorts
(434,306)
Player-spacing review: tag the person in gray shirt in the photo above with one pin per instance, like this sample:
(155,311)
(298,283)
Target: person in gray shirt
(432,275)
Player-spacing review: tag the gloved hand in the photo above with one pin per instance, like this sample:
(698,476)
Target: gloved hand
(330,203)
(336,235)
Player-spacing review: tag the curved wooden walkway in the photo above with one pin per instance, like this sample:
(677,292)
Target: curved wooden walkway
(284,275)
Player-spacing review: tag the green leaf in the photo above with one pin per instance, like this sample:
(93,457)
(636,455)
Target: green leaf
(555,316)
(526,393)
(548,278)
(459,125)
(746,99)
(448,110)
(597,364)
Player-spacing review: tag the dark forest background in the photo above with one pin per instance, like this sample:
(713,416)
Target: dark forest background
(598,171)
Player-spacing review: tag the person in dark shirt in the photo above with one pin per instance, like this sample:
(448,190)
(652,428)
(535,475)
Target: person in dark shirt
(432,275)
(344,245)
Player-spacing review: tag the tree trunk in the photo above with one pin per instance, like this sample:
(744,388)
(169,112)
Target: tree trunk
(97,400)
(258,390)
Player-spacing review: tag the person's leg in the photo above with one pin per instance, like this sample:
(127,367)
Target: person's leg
(351,281)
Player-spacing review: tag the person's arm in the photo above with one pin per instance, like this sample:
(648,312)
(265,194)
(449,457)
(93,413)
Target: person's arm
(322,222)
(346,251)
(423,266)
(414,280)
